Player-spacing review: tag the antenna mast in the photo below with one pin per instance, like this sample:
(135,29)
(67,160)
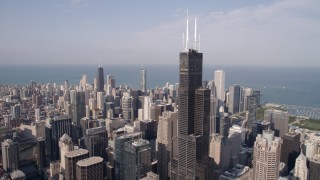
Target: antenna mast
(187,32)
(182,41)
(195,34)
(199,43)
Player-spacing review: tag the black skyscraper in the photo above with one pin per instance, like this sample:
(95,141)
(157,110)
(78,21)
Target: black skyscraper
(100,79)
(56,127)
(194,113)
(41,153)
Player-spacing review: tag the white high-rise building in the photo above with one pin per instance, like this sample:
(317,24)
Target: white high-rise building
(65,145)
(219,81)
(143,80)
(146,107)
(127,107)
(311,147)
(37,114)
(301,169)
(100,100)
(266,156)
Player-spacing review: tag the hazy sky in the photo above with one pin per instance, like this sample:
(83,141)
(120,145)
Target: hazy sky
(241,32)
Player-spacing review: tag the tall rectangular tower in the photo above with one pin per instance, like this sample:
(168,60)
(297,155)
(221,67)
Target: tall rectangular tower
(190,80)
(279,121)
(10,155)
(143,80)
(55,128)
(100,79)
(219,80)
(166,142)
(234,99)
(96,141)
(266,156)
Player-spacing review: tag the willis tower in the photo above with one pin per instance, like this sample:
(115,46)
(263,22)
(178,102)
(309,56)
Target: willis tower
(194,118)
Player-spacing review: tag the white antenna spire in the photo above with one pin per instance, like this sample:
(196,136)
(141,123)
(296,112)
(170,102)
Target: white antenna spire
(195,34)
(187,32)
(199,43)
(182,41)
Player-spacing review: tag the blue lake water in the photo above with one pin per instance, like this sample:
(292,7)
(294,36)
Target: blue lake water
(283,85)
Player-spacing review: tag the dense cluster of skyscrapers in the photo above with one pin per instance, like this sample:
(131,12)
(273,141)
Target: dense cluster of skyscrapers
(194,129)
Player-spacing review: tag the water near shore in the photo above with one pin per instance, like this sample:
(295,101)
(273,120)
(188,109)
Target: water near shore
(281,85)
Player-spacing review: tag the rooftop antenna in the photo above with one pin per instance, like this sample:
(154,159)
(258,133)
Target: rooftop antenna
(195,34)
(187,32)
(199,43)
(182,41)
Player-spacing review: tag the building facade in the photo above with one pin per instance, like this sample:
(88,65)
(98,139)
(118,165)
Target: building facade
(219,80)
(266,156)
(90,168)
(71,158)
(10,155)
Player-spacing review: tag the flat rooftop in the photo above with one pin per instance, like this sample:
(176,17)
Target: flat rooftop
(89,161)
(76,153)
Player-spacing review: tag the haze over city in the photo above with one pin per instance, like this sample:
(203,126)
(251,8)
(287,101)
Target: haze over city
(274,33)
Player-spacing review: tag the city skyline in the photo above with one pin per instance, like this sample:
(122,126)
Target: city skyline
(178,130)
(120,124)
(93,32)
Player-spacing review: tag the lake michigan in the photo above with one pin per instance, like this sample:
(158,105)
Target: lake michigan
(282,85)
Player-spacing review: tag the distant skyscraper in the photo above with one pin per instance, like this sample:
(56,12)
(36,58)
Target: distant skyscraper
(279,121)
(10,155)
(37,114)
(301,171)
(256,94)
(266,156)
(127,107)
(84,81)
(251,108)
(147,107)
(100,100)
(78,105)
(15,111)
(214,105)
(219,80)
(66,85)
(143,80)
(234,99)
(90,168)
(111,81)
(100,79)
